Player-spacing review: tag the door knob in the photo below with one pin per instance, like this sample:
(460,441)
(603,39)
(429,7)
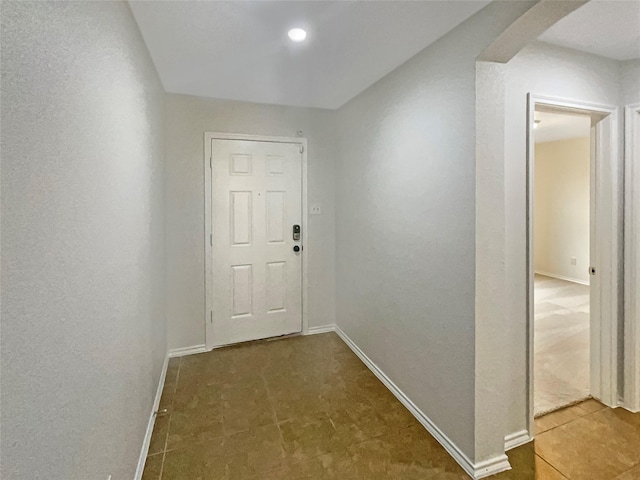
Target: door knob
(296,248)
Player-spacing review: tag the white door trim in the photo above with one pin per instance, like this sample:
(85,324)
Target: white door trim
(604,346)
(631,398)
(208,223)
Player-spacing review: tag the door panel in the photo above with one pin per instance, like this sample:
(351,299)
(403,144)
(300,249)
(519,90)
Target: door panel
(276,218)
(276,286)
(241,203)
(257,277)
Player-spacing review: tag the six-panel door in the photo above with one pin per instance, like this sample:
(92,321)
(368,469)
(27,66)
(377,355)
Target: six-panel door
(257,275)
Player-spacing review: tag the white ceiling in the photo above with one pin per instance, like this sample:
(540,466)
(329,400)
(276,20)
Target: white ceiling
(239,49)
(561,126)
(604,27)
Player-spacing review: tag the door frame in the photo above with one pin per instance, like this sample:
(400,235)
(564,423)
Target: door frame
(208,223)
(632,258)
(604,348)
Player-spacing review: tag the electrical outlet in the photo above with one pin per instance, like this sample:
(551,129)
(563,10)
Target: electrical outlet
(573,260)
(316,209)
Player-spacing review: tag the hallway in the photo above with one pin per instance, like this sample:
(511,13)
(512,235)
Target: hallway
(307,408)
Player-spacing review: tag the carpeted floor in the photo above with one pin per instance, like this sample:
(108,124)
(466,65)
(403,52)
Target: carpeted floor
(561,344)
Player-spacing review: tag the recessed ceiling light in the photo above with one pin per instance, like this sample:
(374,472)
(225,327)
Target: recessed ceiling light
(297,34)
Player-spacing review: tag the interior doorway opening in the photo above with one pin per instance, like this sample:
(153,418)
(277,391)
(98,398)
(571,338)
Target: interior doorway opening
(561,258)
(569,325)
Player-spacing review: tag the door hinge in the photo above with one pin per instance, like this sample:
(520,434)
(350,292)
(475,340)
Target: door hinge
(301,148)
(211,162)
(211,239)
(211,316)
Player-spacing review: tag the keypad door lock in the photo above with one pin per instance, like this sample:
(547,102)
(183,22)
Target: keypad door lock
(296,233)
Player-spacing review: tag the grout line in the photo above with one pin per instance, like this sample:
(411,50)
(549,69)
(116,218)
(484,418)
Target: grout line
(551,465)
(628,470)
(175,387)
(273,411)
(170,408)
(162,466)
(166,438)
(586,414)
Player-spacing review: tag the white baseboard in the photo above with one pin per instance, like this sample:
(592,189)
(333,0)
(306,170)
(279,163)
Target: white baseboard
(516,439)
(152,421)
(492,466)
(562,277)
(489,467)
(181,352)
(321,329)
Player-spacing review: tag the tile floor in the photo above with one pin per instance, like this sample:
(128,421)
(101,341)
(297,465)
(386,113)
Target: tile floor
(307,408)
(561,344)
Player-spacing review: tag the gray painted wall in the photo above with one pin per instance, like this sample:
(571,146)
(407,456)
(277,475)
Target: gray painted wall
(630,81)
(188,118)
(82,302)
(405,223)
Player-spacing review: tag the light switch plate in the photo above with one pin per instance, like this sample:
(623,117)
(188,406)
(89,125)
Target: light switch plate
(316,209)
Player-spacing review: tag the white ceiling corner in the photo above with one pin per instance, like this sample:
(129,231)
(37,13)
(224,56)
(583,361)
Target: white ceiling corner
(609,28)
(561,126)
(239,50)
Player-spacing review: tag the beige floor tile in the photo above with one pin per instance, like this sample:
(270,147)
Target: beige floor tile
(557,418)
(526,465)
(246,407)
(633,474)
(194,463)
(595,447)
(254,451)
(152,467)
(159,435)
(195,421)
(306,408)
(544,471)
(166,400)
(591,405)
(193,395)
(311,435)
(390,456)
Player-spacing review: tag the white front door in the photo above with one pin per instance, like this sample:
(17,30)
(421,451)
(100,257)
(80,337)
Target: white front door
(257,272)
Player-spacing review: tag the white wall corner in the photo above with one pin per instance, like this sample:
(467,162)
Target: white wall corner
(492,466)
(491,356)
(152,420)
(320,329)
(516,439)
(181,352)
(632,259)
(489,467)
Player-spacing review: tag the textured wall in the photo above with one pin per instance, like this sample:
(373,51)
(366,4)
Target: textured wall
(630,81)
(188,118)
(83,327)
(405,223)
(541,69)
(561,223)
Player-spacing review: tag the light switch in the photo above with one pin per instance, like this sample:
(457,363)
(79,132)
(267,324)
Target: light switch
(573,260)
(316,209)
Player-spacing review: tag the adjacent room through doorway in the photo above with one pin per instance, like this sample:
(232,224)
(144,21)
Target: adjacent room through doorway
(561,250)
